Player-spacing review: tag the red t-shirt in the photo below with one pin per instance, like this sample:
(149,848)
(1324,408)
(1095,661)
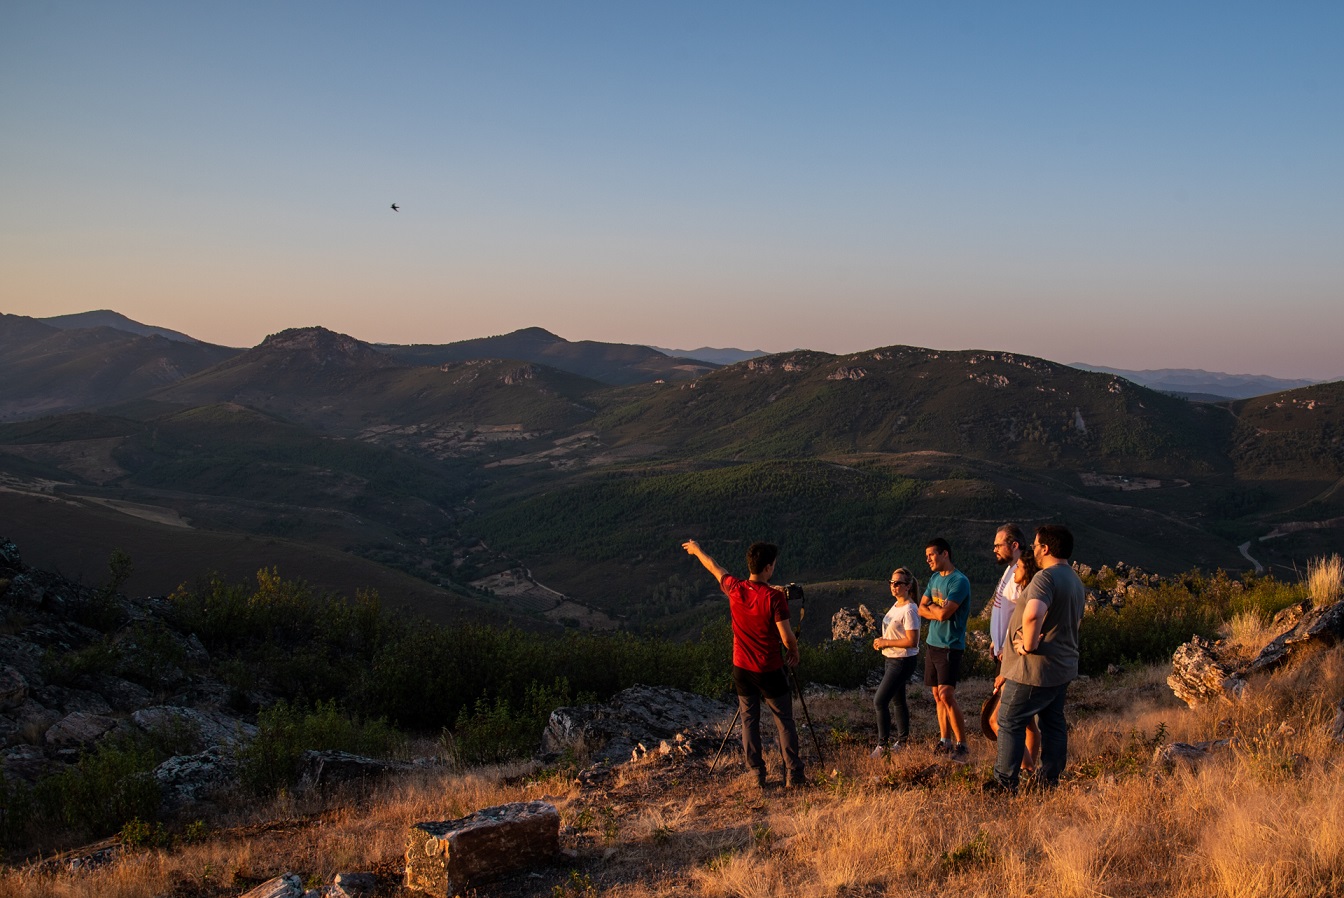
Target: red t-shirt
(756,608)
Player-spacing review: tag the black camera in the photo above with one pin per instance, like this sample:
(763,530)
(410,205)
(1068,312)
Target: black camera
(794,593)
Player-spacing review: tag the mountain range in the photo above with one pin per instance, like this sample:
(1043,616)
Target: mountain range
(1205,386)
(530,478)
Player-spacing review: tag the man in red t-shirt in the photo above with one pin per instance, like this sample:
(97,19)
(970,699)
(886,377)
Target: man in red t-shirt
(760,615)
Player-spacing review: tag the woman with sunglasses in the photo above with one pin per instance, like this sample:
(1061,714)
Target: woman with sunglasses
(899,644)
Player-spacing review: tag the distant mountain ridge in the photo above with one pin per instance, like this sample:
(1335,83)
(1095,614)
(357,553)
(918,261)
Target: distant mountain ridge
(728,356)
(46,369)
(616,364)
(116,321)
(1195,383)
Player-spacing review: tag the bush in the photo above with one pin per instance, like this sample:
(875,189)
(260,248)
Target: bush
(99,794)
(285,731)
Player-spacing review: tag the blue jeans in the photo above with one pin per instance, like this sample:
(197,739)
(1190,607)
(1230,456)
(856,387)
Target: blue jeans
(892,687)
(1018,704)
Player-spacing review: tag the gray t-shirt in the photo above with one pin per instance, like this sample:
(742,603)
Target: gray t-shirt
(1055,660)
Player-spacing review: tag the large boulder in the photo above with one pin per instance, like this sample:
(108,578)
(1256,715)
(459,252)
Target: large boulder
(640,714)
(79,730)
(207,727)
(853,624)
(319,768)
(451,857)
(1198,676)
(13,688)
(188,779)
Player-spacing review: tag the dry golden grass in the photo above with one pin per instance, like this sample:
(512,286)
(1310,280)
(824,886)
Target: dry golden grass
(1325,580)
(1264,817)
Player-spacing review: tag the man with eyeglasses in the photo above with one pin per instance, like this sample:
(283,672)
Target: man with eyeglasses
(1041,661)
(1008,543)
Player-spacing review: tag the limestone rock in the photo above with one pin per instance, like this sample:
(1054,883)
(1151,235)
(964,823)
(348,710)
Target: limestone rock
(849,625)
(1187,754)
(13,688)
(78,730)
(448,858)
(27,763)
(647,714)
(1198,676)
(187,779)
(353,885)
(288,885)
(1322,626)
(326,767)
(209,727)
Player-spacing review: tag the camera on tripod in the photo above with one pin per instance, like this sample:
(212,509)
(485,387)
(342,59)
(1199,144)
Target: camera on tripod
(794,593)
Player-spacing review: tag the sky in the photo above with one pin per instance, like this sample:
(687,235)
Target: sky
(1139,185)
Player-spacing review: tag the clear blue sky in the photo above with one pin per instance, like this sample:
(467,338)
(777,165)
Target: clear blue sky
(1128,184)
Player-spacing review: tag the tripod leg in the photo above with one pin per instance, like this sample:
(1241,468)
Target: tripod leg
(726,734)
(798,690)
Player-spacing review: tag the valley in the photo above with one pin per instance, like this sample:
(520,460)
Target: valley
(511,488)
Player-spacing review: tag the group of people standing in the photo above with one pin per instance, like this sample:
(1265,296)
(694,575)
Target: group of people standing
(1035,615)
(1036,612)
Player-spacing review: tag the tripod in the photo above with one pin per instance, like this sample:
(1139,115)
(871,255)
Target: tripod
(793,590)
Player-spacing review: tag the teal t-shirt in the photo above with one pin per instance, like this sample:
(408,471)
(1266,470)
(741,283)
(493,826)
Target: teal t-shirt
(953,587)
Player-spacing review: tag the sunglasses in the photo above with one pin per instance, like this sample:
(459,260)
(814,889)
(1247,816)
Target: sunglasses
(900,582)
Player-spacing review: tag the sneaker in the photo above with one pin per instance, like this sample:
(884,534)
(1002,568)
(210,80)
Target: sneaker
(942,747)
(797,781)
(994,787)
(960,754)
(895,746)
(878,753)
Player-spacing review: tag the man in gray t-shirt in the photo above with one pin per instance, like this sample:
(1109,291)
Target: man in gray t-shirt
(1040,661)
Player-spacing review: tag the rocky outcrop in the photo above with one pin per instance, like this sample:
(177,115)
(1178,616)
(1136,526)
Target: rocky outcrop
(1187,754)
(1316,626)
(190,779)
(328,767)
(641,714)
(451,857)
(1198,676)
(79,665)
(854,625)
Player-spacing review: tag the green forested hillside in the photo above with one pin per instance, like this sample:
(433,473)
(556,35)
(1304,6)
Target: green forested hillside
(992,405)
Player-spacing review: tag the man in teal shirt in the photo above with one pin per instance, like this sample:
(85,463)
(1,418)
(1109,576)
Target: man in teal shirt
(946,605)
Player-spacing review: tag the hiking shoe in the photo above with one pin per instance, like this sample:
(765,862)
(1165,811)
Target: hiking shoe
(942,748)
(994,787)
(960,754)
(797,781)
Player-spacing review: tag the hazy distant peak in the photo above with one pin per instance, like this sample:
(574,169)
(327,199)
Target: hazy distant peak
(116,321)
(1196,382)
(728,356)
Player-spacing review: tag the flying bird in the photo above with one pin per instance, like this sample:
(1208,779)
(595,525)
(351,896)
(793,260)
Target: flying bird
(394,208)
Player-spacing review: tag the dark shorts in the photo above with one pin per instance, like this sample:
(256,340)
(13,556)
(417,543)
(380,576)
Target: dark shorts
(942,667)
(770,684)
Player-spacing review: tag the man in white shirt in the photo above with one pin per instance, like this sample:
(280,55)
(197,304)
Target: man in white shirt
(1008,542)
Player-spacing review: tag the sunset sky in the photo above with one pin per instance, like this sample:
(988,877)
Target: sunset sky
(1133,184)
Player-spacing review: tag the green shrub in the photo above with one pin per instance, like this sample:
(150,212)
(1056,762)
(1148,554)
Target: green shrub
(285,731)
(100,793)
(491,732)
